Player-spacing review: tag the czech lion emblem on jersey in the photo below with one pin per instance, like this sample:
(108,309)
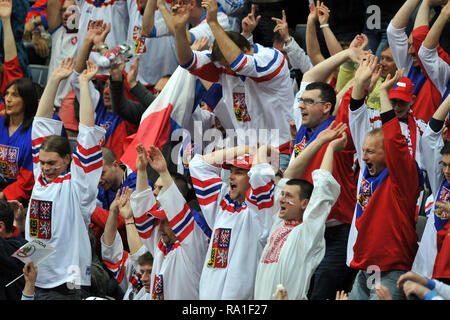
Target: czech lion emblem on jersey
(365,194)
(41,219)
(220,247)
(158,287)
(240,108)
(299,147)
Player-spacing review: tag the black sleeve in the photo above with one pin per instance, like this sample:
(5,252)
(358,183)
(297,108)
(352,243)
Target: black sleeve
(356,104)
(128,110)
(144,96)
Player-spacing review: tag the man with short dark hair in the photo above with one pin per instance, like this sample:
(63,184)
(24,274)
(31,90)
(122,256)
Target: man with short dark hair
(239,214)
(297,244)
(315,108)
(10,241)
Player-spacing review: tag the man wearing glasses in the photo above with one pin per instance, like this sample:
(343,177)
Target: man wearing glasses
(313,111)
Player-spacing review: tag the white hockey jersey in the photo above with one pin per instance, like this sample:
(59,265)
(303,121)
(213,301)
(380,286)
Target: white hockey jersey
(176,268)
(257,93)
(124,267)
(239,231)
(59,212)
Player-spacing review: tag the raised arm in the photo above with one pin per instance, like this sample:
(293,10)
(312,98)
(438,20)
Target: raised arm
(46,103)
(299,165)
(180,16)
(332,43)
(86,106)
(110,230)
(433,36)
(53,14)
(228,48)
(401,18)
(133,238)
(216,158)
(312,43)
(322,71)
(148,18)
(363,75)
(441,113)
(142,160)
(387,84)
(335,145)
(158,163)
(95,35)
(9,44)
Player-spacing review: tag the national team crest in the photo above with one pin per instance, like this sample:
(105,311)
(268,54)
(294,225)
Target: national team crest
(41,219)
(444,196)
(299,147)
(158,287)
(240,108)
(220,248)
(365,194)
(139,41)
(8,161)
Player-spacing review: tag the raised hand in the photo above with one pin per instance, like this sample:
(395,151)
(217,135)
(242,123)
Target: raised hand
(5,9)
(114,206)
(89,72)
(211,10)
(360,41)
(142,158)
(180,15)
(313,15)
(64,69)
(282,26)
(157,161)
(390,81)
(365,71)
(116,71)
(332,132)
(124,204)
(249,23)
(323,13)
(199,43)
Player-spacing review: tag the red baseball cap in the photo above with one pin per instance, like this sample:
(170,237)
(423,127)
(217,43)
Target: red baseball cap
(243,161)
(403,90)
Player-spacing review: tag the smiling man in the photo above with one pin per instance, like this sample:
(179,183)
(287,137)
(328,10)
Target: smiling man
(297,244)
(389,185)
(239,215)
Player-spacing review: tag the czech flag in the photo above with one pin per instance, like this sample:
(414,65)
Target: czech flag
(172,109)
